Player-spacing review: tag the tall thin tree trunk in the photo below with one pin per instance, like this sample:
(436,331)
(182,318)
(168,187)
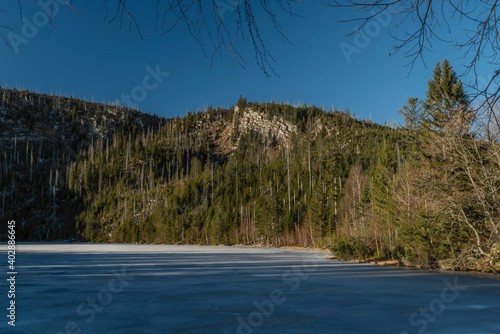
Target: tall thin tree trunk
(288,175)
(310,175)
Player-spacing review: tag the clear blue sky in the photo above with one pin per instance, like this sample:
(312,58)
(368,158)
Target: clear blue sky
(88,57)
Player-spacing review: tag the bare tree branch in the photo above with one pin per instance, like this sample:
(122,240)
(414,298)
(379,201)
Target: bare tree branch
(419,23)
(217,26)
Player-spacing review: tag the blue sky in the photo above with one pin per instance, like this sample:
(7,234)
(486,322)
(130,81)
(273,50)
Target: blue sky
(87,57)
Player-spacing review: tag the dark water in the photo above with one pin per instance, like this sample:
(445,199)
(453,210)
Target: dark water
(84,288)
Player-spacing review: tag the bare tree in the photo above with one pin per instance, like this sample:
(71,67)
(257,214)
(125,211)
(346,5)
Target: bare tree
(419,24)
(218,26)
(221,26)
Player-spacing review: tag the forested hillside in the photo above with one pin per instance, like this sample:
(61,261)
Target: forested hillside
(254,174)
(40,136)
(426,193)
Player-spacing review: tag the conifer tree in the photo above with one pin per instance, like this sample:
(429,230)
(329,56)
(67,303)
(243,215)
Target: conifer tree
(445,97)
(320,211)
(384,171)
(412,114)
(381,195)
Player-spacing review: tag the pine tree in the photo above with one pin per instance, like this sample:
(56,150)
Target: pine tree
(381,195)
(445,97)
(414,117)
(269,216)
(412,114)
(319,211)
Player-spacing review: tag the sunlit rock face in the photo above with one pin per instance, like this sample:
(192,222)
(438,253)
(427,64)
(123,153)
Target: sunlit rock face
(249,119)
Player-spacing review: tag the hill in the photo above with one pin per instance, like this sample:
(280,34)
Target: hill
(255,174)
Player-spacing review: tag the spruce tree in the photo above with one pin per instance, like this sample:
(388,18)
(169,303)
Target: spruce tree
(414,117)
(319,210)
(412,114)
(445,97)
(383,203)
(384,171)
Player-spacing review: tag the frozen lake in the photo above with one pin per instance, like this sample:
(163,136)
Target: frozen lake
(88,288)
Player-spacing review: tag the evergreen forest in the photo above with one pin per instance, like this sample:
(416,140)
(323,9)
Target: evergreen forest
(425,193)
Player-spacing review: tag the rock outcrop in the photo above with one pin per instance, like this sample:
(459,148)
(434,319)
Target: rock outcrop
(254,120)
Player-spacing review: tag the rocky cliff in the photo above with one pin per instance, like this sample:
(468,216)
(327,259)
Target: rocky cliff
(257,120)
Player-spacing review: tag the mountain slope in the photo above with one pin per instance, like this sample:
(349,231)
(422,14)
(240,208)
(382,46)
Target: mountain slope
(256,174)
(40,136)
(75,169)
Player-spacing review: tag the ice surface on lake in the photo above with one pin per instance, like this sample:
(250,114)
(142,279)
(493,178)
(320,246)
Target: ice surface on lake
(96,288)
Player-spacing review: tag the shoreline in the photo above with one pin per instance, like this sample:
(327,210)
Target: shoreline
(329,256)
(398,263)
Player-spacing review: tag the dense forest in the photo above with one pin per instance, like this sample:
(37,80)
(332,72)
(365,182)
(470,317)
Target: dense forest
(425,193)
